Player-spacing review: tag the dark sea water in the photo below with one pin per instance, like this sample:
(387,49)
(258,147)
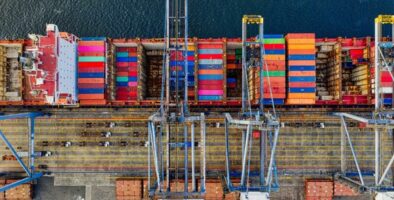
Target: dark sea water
(208,18)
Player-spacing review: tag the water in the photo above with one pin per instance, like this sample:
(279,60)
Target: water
(208,18)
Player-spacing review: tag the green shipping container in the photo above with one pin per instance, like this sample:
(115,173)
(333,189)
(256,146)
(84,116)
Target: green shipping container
(91,59)
(274,41)
(275,73)
(122,54)
(122,79)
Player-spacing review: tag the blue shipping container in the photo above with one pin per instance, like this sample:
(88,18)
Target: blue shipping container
(90,75)
(209,98)
(302,68)
(302,90)
(91,90)
(302,79)
(301,57)
(210,77)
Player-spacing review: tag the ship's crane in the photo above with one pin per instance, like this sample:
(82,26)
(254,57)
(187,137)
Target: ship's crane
(253,185)
(382,121)
(32,174)
(172,126)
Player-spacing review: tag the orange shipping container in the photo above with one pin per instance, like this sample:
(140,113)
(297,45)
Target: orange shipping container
(301,41)
(301,51)
(210,71)
(90,80)
(302,63)
(275,57)
(300,46)
(91,43)
(301,95)
(300,101)
(302,73)
(300,35)
(91,96)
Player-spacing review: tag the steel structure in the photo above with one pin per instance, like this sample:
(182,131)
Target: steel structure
(29,168)
(382,117)
(173,114)
(265,123)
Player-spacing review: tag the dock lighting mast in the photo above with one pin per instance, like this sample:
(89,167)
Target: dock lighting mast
(29,169)
(257,187)
(164,136)
(382,118)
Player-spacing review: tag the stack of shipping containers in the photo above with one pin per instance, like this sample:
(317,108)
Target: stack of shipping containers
(211,71)
(127,74)
(92,71)
(234,73)
(328,71)
(177,64)
(301,68)
(274,70)
(154,63)
(355,71)
(386,81)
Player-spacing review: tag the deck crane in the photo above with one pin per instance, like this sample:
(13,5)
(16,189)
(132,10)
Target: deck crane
(166,126)
(253,187)
(382,121)
(32,174)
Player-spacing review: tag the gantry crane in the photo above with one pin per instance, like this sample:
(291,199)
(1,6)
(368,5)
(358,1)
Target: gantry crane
(163,127)
(249,121)
(30,168)
(382,120)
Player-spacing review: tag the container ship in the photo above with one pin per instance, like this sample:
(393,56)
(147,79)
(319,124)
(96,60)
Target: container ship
(60,69)
(101,92)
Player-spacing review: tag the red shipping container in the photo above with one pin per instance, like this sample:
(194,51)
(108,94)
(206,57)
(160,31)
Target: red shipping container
(275,62)
(126,49)
(231,57)
(91,53)
(210,46)
(91,64)
(302,62)
(386,77)
(210,87)
(256,134)
(122,73)
(210,56)
(90,80)
(210,71)
(356,53)
(91,85)
(360,42)
(210,82)
(91,69)
(302,73)
(126,64)
(274,46)
(126,89)
(347,42)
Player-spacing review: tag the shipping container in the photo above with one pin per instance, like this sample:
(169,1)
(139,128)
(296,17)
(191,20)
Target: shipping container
(127,76)
(92,71)
(50,69)
(319,189)
(23,191)
(129,189)
(301,61)
(272,89)
(11,78)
